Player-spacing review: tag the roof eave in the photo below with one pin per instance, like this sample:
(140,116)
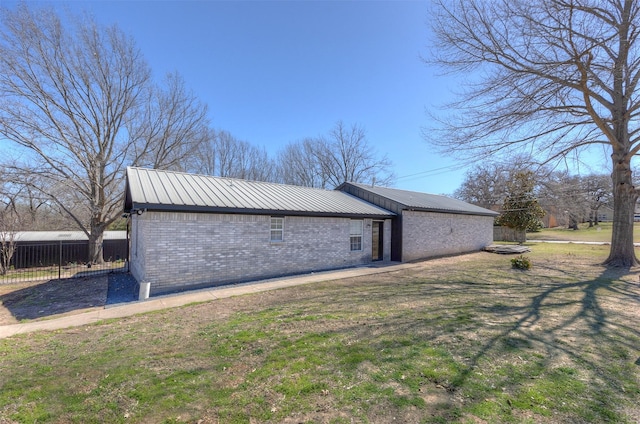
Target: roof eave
(418,209)
(248,211)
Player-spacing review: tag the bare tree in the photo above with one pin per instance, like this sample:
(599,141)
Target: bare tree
(9,226)
(258,165)
(565,195)
(556,76)
(76,101)
(598,190)
(299,164)
(226,156)
(344,155)
(172,127)
(486,185)
(205,159)
(7,249)
(33,206)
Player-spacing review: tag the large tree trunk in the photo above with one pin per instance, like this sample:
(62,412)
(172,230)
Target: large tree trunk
(95,244)
(622,252)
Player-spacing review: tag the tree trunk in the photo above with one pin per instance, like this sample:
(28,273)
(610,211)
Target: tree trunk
(7,249)
(573,224)
(95,245)
(622,253)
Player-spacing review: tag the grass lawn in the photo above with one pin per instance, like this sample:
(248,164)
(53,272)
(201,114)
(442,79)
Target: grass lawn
(465,339)
(601,232)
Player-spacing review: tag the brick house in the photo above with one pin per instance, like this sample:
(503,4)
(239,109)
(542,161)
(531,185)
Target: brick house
(428,225)
(190,231)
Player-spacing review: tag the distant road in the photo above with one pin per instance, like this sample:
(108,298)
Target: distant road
(600,243)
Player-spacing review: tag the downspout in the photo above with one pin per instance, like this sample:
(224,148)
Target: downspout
(128,242)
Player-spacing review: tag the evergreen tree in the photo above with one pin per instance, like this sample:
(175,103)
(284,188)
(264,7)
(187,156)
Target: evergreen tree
(520,208)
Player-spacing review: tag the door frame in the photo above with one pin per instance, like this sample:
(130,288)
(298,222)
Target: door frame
(380,225)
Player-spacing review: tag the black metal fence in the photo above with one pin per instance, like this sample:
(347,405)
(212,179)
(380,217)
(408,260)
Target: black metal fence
(55,260)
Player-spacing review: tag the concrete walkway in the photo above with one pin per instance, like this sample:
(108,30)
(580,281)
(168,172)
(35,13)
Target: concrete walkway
(172,301)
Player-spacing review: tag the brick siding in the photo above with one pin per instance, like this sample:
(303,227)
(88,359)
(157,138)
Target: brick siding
(178,250)
(428,234)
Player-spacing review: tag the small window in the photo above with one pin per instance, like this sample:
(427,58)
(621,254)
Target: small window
(277,229)
(355,235)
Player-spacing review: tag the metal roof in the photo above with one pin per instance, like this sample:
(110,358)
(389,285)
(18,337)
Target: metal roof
(166,190)
(43,236)
(422,201)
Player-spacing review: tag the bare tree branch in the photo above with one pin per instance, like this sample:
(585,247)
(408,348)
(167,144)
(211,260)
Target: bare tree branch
(77,102)
(226,156)
(344,155)
(555,76)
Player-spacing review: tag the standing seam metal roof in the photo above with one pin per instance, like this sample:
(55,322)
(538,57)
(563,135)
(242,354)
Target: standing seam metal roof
(424,201)
(167,190)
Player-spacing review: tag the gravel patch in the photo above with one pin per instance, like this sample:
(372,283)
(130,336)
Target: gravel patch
(122,288)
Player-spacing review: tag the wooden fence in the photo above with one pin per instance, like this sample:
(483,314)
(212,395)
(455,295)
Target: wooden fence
(509,234)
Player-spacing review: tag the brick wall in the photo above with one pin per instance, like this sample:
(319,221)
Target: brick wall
(386,241)
(137,256)
(427,234)
(176,250)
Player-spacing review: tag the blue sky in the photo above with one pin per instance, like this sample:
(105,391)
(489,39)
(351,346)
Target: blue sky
(273,72)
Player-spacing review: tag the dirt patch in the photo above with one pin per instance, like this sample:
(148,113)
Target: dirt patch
(38,300)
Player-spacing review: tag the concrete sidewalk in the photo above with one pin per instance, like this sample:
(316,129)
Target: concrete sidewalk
(597,243)
(180,299)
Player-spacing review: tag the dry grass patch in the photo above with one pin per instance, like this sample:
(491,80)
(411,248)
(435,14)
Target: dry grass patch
(464,339)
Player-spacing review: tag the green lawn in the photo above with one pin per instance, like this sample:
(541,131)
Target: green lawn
(601,232)
(464,339)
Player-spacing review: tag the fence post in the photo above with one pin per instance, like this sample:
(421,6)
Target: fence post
(60,261)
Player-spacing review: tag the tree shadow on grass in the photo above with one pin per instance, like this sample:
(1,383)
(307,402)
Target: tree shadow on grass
(587,325)
(547,342)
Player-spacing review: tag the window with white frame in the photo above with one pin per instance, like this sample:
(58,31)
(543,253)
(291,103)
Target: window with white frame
(277,229)
(355,235)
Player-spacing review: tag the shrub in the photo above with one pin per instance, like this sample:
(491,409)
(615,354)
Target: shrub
(521,262)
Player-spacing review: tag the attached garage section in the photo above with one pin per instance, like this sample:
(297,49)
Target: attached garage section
(428,225)
(428,234)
